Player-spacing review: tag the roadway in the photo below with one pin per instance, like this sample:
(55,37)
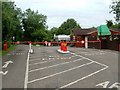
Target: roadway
(47,68)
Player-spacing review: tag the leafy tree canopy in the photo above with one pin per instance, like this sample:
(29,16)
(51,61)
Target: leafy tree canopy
(115,9)
(34,25)
(109,23)
(11,21)
(67,26)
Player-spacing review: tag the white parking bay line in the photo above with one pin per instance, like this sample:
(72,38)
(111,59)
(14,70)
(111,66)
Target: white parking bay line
(41,62)
(52,59)
(27,69)
(60,72)
(55,65)
(36,59)
(69,84)
(90,60)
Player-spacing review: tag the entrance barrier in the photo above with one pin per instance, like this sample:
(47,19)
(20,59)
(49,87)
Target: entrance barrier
(91,44)
(65,44)
(57,43)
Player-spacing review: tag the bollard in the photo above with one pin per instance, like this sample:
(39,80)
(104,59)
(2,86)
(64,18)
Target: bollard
(61,46)
(5,47)
(30,48)
(49,44)
(46,43)
(30,45)
(64,46)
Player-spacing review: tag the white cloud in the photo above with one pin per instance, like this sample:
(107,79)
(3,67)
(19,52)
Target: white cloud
(87,12)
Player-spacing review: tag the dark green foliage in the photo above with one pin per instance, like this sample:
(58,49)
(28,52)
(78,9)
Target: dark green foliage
(34,25)
(11,21)
(67,26)
(115,9)
(30,25)
(109,23)
(115,25)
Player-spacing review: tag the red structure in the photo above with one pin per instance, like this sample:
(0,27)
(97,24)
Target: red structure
(92,40)
(85,35)
(5,46)
(63,46)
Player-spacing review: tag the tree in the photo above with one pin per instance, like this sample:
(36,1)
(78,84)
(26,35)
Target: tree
(34,25)
(109,23)
(53,32)
(115,9)
(115,25)
(67,26)
(11,21)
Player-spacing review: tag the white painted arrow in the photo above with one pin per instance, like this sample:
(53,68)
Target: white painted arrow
(3,73)
(7,63)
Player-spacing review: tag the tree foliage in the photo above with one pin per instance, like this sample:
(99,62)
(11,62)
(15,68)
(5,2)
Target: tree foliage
(34,25)
(67,26)
(29,25)
(53,32)
(109,23)
(11,21)
(115,9)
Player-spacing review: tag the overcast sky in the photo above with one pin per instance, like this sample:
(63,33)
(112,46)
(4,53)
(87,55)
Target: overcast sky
(87,13)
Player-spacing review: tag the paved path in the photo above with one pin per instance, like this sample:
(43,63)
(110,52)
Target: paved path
(47,68)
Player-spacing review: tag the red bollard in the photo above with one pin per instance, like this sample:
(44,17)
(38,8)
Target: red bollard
(61,46)
(5,47)
(64,46)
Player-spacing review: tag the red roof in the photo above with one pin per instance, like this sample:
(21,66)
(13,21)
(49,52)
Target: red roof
(79,32)
(115,31)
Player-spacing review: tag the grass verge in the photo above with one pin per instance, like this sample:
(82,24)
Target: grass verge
(11,48)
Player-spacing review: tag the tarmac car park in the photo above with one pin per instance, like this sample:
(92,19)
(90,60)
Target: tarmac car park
(47,68)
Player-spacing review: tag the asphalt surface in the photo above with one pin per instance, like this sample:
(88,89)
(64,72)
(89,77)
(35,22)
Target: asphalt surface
(47,68)
(16,70)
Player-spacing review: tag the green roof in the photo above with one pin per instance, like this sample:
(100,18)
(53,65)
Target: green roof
(103,30)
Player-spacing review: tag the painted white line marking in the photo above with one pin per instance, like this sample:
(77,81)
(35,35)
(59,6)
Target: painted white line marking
(3,73)
(55,65)
(71,57)
(40,57)
(48,58)
(7,63)
(90,59)
(60,72)
(84,77)
(36,59)
(27,69)
(40,62)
